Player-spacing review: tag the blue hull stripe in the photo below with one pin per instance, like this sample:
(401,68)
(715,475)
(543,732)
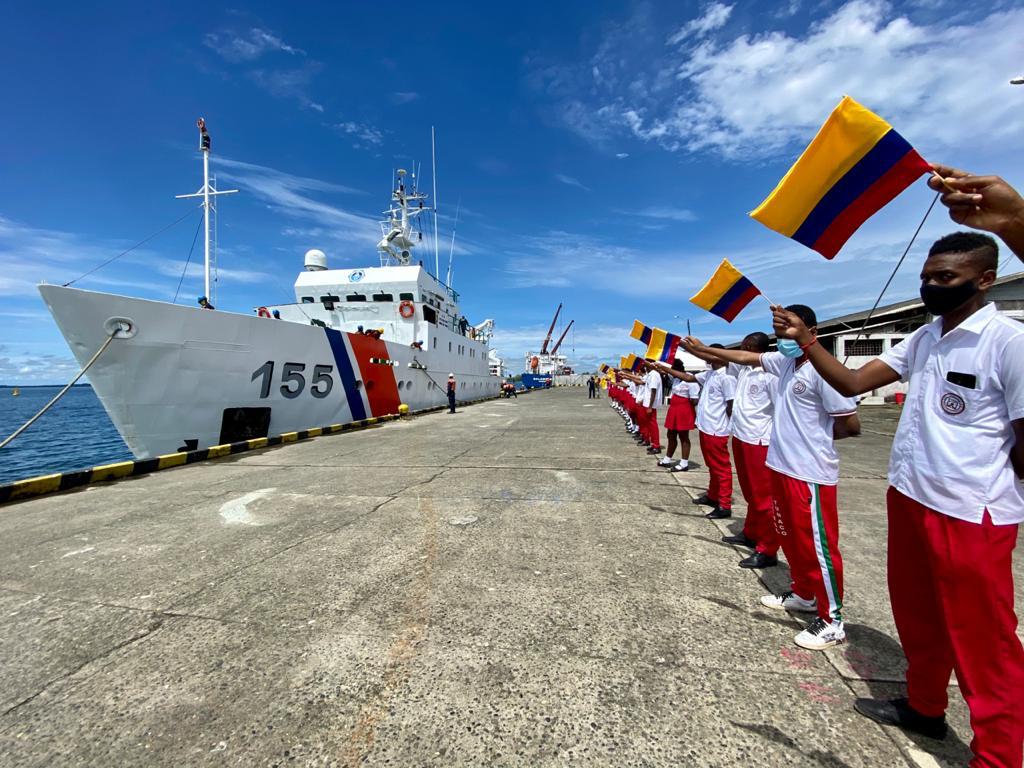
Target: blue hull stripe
(346,374)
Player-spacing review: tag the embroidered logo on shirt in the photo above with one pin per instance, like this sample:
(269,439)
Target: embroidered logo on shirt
(952,404)
(799,388)
(753,389)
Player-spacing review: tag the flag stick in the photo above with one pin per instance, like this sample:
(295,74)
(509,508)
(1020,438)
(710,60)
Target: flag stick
(944,183)
(688,331)
(894,271)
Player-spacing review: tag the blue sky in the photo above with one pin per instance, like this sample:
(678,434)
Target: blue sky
(605,154)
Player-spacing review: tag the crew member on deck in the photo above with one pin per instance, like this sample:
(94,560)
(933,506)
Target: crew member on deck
(204,302)
(955,499)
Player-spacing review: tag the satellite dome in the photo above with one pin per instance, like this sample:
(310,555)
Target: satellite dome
(316,260)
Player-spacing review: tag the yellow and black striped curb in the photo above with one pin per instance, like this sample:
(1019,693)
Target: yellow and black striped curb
(65,481)
(54,483)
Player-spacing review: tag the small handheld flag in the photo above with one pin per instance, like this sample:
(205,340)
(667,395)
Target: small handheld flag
(641,332)
(726,293)
(851,170)
(662,346)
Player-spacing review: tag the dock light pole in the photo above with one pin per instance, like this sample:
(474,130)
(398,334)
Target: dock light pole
(206,192)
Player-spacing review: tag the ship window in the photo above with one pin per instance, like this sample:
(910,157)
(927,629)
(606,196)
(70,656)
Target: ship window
(307,299)
(449,346)
(429,315)
(383,297)
(356,297)
(406,297)
(329,301)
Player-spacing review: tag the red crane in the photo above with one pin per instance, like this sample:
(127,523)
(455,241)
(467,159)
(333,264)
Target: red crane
(547,339)
(561,338)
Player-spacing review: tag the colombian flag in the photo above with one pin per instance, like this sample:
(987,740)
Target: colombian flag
(852,169)
(662,346)
(641,332)
(726,293)
(625,362)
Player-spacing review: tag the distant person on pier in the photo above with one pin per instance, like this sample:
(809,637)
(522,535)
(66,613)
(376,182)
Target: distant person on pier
(955,497)
(204,302)
(591,388)
(451,392)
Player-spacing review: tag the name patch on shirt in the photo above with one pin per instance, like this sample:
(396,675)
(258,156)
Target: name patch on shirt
(952,403)
(799,388)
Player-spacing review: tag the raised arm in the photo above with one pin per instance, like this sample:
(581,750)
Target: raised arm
(982,202)
(739,356)
(845,381)
(668,369)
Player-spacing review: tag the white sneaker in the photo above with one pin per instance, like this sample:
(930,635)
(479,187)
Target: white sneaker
(821,634)
(665,461)
(789,601)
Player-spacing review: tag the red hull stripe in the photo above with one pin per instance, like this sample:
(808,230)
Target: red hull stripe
(378,380)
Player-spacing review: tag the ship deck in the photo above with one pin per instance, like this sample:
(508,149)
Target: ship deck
(513,585)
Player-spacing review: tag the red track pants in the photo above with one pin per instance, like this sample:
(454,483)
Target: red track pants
(807,522)
(650,430)
(756,484)
(716,455)
(951,587)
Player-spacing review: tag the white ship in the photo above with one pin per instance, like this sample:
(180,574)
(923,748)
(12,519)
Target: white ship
(356,343)
(543,366)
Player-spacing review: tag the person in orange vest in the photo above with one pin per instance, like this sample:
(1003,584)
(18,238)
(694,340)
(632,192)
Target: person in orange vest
(451,393)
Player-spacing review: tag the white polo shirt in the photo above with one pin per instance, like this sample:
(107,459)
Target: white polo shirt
(685,389)
(652,397)
(716,388)
(801,443)
(639,392)
(952,447)
(754,407)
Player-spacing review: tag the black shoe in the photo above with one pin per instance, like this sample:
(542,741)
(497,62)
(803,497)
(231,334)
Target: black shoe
(706,500)
(677,468)
(759,560)
(898,712)
(652,450)
(741,539)
(718,513)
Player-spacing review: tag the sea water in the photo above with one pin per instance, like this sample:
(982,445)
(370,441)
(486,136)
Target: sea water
(75,433)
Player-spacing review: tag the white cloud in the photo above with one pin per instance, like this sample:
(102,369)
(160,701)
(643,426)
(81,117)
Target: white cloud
(664,212)
(572,182)
(622,155)
(764,94)
(248,45)
(404,97)
(714,17)
(361,131)
(289,83)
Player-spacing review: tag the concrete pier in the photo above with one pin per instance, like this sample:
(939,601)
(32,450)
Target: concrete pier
(516,584)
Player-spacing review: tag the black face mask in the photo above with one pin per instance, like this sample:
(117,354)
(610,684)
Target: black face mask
(940,299)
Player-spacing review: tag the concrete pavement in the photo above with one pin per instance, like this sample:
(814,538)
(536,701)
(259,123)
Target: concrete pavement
(516,584)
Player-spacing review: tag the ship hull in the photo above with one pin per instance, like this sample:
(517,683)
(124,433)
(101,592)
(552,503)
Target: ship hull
(185,378)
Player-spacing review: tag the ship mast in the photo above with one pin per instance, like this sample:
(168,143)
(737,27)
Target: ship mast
(206,192)
(399,239)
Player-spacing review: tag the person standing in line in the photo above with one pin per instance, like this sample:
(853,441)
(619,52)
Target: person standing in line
(809,416)
(752,416)
(714,412)
(681,416)
(652,399)
(451,392)
(955,498)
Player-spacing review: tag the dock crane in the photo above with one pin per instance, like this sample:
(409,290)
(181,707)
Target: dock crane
(547,339)
(554,349)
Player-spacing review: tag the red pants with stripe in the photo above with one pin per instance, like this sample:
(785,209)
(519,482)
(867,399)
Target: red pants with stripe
(716,455)
(807,523)
(951,587)
(756,484)
(649,430)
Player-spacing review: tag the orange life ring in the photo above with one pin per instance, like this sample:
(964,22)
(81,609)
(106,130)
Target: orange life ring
(534,363)
(263,312)
(406,309)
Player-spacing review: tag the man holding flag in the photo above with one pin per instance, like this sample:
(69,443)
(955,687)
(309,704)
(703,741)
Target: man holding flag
(809,415)
(955,499)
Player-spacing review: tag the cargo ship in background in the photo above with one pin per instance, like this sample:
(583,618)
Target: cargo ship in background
(356,343)
(543,366)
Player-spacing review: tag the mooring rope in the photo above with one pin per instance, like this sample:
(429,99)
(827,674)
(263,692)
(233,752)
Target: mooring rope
(61,394)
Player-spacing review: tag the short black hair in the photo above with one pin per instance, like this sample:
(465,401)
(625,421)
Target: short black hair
(677,365)
(805,313)
(759,340)
(716,346)
(982,247)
